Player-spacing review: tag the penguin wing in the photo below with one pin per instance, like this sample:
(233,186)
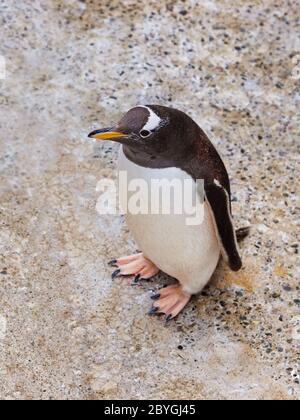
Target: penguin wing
(219,203)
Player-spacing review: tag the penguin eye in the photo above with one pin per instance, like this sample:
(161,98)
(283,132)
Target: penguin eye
(145,133)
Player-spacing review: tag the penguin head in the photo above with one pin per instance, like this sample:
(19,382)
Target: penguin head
(152,132)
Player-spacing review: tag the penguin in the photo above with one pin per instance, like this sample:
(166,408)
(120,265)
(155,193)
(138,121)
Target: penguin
(159,142)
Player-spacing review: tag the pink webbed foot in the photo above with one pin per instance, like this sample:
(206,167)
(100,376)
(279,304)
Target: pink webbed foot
(170,301)
(135,265)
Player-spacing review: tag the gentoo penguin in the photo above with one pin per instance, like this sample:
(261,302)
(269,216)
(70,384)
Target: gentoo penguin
(165,143)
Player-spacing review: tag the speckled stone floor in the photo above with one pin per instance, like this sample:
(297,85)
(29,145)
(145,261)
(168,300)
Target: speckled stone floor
(68,331)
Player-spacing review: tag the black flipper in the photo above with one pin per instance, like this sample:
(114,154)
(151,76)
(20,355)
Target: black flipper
(219,202)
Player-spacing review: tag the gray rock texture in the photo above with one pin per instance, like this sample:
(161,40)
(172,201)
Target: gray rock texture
(66,330)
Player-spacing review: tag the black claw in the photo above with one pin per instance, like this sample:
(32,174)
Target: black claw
(115,274)
(169,318)
(153,310)
(112,262)
(137,278)
(155,297)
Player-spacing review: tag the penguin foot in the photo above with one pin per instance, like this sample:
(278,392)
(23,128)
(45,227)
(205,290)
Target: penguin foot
(135,265)
(170,301)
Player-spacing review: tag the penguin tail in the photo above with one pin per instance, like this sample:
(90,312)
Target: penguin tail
(242,233)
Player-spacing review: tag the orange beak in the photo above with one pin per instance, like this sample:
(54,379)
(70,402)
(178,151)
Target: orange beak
(106,134)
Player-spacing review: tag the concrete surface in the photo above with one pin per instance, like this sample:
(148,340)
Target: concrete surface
(68,331)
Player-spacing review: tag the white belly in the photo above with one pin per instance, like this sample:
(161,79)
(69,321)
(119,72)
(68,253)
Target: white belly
(190,253)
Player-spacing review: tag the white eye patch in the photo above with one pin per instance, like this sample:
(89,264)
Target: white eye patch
(154,121)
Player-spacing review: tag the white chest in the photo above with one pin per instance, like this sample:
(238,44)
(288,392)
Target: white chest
(174,241)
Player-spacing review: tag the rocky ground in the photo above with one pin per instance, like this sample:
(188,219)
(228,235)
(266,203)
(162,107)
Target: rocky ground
(67,330)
